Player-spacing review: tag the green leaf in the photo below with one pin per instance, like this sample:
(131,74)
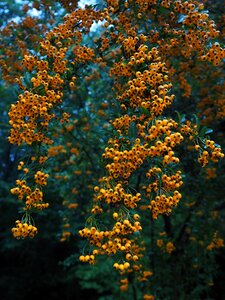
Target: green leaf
(181,117)
(205,130)
(145,111)
(197,121)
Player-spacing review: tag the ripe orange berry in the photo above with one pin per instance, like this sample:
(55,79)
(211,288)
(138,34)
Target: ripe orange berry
(126,265)
(135,258)
(136,217)
(115,215)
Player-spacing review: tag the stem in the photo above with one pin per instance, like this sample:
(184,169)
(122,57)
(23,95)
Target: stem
(152,245)
(168,226)
(134,289)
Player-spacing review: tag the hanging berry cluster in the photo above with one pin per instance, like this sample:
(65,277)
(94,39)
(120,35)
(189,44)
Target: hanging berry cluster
(31,117)
(145,138)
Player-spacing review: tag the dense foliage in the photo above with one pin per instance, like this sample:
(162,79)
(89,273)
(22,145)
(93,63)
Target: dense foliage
(112,135)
